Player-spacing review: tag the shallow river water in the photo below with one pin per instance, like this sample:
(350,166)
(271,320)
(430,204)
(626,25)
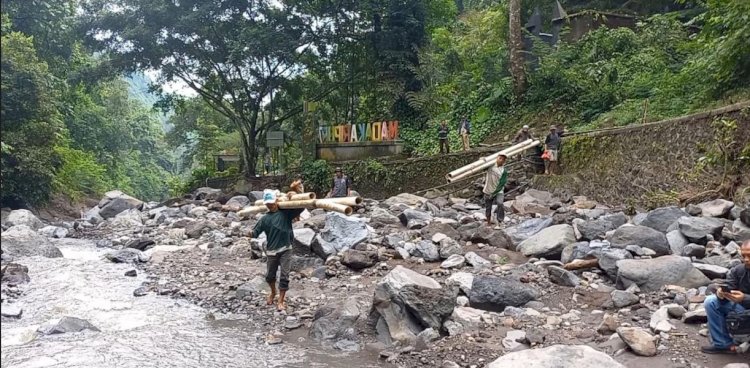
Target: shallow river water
(148,331)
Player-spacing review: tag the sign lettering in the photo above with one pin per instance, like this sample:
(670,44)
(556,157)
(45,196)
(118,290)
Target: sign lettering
(378,131)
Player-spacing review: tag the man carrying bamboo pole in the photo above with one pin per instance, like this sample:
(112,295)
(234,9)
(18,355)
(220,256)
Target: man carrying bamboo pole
(277,224)
(494,186)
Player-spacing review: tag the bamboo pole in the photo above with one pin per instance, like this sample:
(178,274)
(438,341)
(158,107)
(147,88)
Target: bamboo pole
(347,201)
(485,165)
(295,197)
(484,160)
(336,207)
(342,205)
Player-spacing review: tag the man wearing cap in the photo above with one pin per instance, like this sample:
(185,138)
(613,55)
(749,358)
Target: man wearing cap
(494,187)
(341,185)
(277,224)
(551,144)
(523,135)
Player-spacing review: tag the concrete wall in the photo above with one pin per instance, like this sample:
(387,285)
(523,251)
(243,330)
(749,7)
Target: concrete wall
(339,152)
(657,164)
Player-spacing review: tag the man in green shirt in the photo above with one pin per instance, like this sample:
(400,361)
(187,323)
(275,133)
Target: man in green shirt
(494,186)
(277,224)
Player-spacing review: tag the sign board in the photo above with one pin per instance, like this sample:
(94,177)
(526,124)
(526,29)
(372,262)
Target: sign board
(367,132)
(275,139)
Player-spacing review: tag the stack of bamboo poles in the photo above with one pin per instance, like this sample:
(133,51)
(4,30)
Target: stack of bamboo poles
(308,201)
(487,161)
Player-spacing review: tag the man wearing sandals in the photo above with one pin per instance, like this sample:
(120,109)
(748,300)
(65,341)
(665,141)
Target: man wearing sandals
(277,224)
(735,298)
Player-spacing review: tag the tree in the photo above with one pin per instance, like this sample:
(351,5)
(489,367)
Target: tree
(516,49)
(234,54)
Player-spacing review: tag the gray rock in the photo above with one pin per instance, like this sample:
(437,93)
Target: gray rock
(495,293)
(427,250)
(140,243)
(335,322)
(527,228)
(662,218)
(23,241)
(697,229)
(302,262)
(54,232)
(454,261)
(745,216)
(397,320)
(476,260)
(716,208)
(694,250)
(712,271)
(617,219)
(595,229)
(430,306)
(23,217)
(437,227)
(740,231)
(695,316)
(494,238)
(405,198)
(548,243)
(66,325)
(92,216)
(257,285)
(676,241)
(652,274)
(340,233)
(209,194)
(510,342)
(380,217)
(659,321)
(15,274)
(562,276)
(415,219)
(463,280)
(642,236)
(555,356)
(11,311)
(237,203)
(639,340)
(357,260)
(126,255)
(127,219)
(449,247)
(608,259)
(676,311)
(119,204)
(623,299)
(303,239)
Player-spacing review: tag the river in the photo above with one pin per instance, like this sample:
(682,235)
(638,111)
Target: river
(148,331)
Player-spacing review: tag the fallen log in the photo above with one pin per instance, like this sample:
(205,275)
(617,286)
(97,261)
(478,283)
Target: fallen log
(580,264)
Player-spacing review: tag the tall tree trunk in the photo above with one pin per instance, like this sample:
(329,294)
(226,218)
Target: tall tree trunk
(516,49)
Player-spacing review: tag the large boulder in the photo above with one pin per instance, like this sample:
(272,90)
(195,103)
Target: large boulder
(427,250)
(745,216)
(641,236)
(495,238)
(236,203)
(594,229)
(662,219)
(380,218)
(15,274)
(126,255)
(608,259)
(405,198)
(54,232)
(66,325)
(92,216)
(652,274)
(415,219)
(740,231)
(697,229)
(716,208)
(118,204)
(676,241)
(396,321)
(557,356)
(335,322)
(127,219)
(533,201)
(430,306)
(303,240)
(340,233)
(207,193)
(495,293)
(23,217)
(549,242)
(359,259)
(527,228)
(449,247)
(23,241)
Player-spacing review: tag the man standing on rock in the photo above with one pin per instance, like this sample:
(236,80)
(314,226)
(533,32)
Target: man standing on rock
(494,186)
(443,137)
(464,130)
(277,224)
(341,185)
(552,145)
(733,297)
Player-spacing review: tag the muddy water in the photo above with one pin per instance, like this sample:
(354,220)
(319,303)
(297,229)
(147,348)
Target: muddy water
(149,331)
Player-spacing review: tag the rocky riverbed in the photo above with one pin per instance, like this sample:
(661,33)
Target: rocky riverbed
(415,282)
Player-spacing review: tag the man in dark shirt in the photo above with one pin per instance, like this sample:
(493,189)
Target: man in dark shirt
(732,297)
(341,186)
(277,224)
(552,144)
(443,137)
(523,135)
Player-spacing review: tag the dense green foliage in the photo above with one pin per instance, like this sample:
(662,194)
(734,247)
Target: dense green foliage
(69,125)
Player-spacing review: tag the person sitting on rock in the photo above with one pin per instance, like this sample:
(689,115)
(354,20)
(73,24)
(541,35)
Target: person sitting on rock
(277,224)
(733,297)
(494,186)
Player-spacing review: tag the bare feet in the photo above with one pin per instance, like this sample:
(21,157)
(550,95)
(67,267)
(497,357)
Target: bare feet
(281,306)
(271,297)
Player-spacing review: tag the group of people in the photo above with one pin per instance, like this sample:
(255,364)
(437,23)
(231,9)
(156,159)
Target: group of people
(552,142)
